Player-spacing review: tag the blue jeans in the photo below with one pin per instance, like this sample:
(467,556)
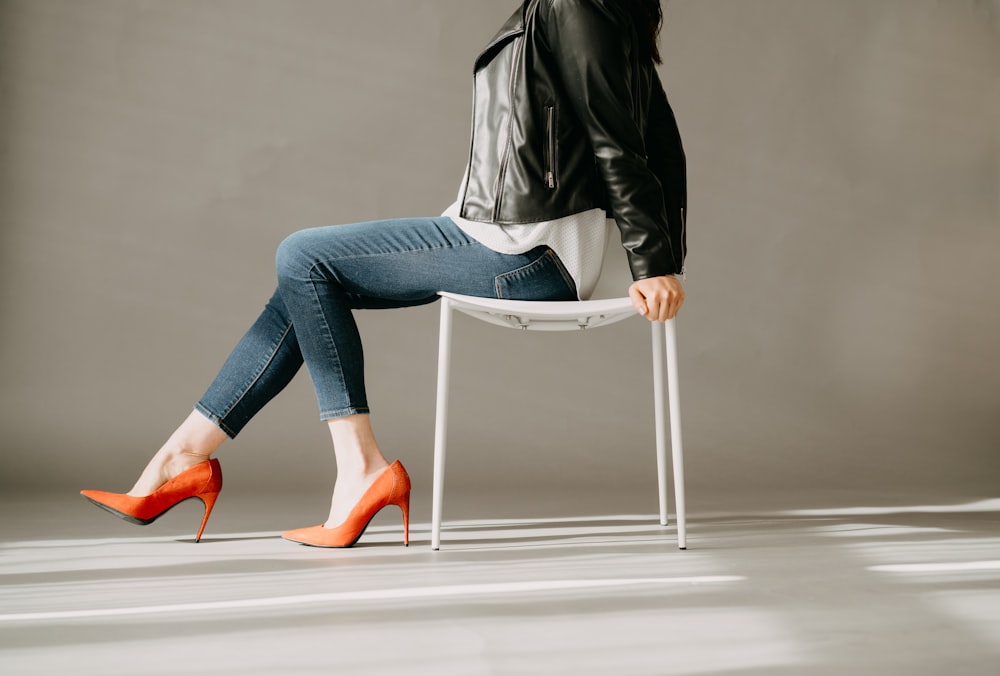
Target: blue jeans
(324,274)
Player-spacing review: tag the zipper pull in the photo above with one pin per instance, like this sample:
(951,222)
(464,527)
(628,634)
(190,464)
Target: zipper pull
(550,179)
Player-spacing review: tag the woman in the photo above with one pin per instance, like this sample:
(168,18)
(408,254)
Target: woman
(571,128)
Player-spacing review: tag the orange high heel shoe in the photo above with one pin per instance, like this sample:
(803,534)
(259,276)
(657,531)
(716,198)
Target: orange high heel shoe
(203,481)
(392,487)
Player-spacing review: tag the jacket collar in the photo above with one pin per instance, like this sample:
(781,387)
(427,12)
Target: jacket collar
(512,28)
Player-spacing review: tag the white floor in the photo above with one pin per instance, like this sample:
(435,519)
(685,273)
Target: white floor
(898,589)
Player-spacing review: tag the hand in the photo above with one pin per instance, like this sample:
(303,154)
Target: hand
(657,298)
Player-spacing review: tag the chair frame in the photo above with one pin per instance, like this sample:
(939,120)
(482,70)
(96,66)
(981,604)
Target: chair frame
(563,316)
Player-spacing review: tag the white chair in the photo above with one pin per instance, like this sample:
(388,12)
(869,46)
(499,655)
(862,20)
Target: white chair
(564,316)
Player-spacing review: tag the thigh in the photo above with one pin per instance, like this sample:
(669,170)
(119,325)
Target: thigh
(402,262)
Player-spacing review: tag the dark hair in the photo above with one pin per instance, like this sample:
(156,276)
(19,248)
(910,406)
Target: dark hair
(648,18)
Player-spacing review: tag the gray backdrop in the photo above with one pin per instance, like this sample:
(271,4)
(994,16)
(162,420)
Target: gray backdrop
(843,316)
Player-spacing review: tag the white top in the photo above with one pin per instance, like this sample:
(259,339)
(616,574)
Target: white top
(578,240)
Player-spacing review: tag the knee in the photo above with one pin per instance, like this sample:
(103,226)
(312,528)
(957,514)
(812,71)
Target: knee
(292,257)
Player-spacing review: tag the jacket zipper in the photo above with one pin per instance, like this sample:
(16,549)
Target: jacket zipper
(550,147)
(502,169)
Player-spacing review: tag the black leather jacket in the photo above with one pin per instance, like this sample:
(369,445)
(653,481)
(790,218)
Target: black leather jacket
(566,118)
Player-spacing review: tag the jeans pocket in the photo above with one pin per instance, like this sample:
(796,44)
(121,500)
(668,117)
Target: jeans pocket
(545,278)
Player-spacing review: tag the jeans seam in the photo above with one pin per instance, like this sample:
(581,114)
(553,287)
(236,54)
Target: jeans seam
(570,283)
(257,376)
(384,253)
(342,412)
(327,331)
(216,418)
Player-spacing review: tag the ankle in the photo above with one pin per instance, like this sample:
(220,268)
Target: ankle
(164,466)
(186,455)
(358,466)
(348,489)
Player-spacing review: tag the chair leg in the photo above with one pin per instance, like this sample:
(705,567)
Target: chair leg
(441,420)
(673,388)
(661,428)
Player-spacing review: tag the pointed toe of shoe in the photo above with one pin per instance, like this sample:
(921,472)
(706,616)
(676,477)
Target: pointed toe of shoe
(321,536)
(110,501)
(118,504)
(311,535)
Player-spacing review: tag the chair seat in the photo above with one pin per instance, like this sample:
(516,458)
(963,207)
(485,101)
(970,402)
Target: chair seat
(531,315)
(565,316)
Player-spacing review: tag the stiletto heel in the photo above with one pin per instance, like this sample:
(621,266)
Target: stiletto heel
(209,500)
(404,507)
(392,487)
(203,481)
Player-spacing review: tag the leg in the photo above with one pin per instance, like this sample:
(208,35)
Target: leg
(359,463)
(259,367)
(441,420)
(324,274)
(673,389)
(661,429)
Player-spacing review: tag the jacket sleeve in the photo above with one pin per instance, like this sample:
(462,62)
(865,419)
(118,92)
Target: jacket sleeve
(589,41)
(667,161)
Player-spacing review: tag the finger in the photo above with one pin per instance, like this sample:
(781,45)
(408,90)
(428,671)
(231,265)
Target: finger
(638,302)
(673,306)
(654,310)
(662,308)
